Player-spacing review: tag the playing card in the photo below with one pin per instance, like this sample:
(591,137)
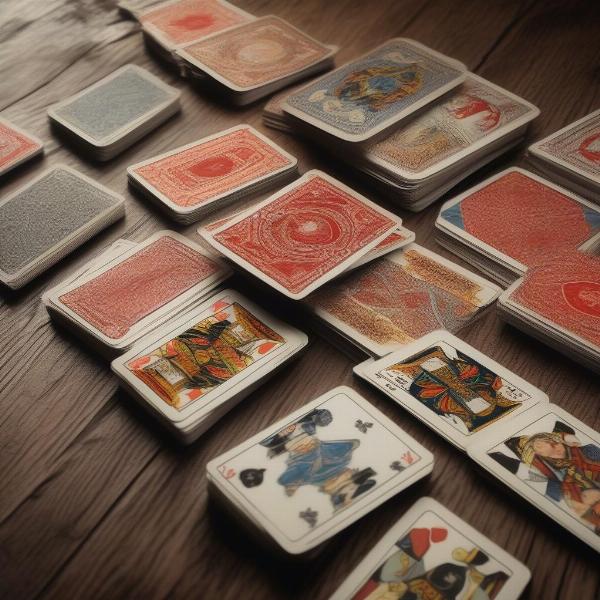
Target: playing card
(471,116)
(520,219)
(255,54)
(198,363)
(455,389)
(141,287)
(401,297)
(304,235)
(432,553)
(399,238)
(320,468)
(205,171)
(182,21)
(552,460)
(364,97)
(49,217)
(16,146)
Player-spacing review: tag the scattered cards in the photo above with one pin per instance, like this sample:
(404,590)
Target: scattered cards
(16,146)
(365,97)
(255,59)
(453,388)
(304,235)
(310,475)
(113,306)
(432,554)
(109,116)
(515,220)
(209,174)
(48,218)
(551,459)
(399,298)
(571,156)
(190,372)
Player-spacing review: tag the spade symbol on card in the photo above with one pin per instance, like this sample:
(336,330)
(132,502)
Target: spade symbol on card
(252,477)
(310,516)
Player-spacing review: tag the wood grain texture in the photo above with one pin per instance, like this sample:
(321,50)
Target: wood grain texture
(96,501)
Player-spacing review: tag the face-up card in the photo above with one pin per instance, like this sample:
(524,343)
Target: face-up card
(304,235)
(113,106)
(16,146)
(455,389)
(362,98)
(553,460)
(472,115)
(575,147)
(208,355)
(401,297)
(141,287)
(211,168)
(329,462)
(432,553)
(521,218)
(256,53)
(184,21)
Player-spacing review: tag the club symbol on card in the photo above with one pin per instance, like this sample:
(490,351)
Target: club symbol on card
(310,516)
(397,466)
(252,477)
(363,426)
(226,472)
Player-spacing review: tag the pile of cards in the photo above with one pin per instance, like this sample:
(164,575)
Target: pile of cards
(571,156)
(306,234)
(254,59)
(397,299)
(273,115)
(192,181)
(557,302)
(48,218)
(193,370)
(457,391)
(134,290)
(16,146)
(551,459)
(432,554)
(515,220)
(310,475)
(364,98)
(109,116)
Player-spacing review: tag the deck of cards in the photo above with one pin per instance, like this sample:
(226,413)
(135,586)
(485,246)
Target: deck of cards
(397,299)
(116,302)
(453,388)
(571,156)
(515,220)
(193,370)
(16,146)
(430,553)
(109,116)
(255,59)
(212,173)
(306,234)
(305,478)
(48,218)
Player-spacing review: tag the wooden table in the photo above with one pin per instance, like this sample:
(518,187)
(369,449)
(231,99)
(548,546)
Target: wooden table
(96,501)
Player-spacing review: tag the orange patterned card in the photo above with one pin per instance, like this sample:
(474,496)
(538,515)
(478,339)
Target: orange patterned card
(15,146)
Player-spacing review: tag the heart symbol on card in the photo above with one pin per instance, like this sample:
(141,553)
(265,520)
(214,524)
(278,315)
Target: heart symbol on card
(438,534)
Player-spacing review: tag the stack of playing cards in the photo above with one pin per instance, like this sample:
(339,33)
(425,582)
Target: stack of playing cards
(137,289)
(364,98)
(515,220)
(48,218)
(399,298)
(557,302)
(310,475)
(255,59)
(210,174)
(551,459)
(191,371)
(304,235)
(431,554)
(16,146)
(113,113)
(571,156)
(273,115)
(456,390)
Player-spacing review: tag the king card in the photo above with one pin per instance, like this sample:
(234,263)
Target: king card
(16,146)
